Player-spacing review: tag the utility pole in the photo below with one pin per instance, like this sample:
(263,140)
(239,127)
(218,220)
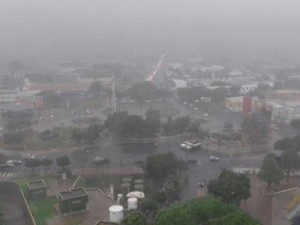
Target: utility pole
(113,96)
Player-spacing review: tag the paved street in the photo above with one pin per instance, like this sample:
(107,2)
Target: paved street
(128,154)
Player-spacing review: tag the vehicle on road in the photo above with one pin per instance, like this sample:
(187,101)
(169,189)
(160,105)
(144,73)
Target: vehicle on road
(28,156)
(88,111)
(14,162)
(190,145)
(98,160)
(205,115)
(6,165)
(194,161)
(213,158)
(274,126)
(201,183)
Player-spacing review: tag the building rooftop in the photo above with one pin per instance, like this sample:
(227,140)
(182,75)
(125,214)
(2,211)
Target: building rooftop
(72,193)
(36,184)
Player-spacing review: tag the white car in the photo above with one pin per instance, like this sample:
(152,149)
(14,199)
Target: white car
(10,164)
(205,115)
(191,144)
(213,158)
(28,156)
(274,127)
(98,160)
(14,162)
(186,146)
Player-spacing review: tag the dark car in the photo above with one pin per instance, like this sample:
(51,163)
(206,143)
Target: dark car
(194,161)
(214,158)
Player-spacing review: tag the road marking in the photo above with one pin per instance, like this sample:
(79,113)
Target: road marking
(5,174)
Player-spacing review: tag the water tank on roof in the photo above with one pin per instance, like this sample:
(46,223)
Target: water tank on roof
(116,213)
(132,203)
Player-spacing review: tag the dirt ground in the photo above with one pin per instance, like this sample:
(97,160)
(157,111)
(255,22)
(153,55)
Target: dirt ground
(260,205)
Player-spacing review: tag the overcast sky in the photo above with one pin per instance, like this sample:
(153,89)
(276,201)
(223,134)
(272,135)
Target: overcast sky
(78,29)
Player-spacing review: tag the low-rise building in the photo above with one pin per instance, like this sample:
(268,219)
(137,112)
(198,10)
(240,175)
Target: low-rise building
(72,200)
(36,189)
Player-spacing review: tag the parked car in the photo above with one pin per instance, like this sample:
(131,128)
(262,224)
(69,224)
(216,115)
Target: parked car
(213,158)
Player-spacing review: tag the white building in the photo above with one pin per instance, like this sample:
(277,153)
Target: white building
(246,88)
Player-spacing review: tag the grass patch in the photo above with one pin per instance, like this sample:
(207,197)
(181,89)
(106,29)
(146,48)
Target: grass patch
(33,141)
(22,182)
(43,209)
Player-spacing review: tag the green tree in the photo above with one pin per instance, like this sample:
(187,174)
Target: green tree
(176,215)
(133,126)
(270,172)
(234,91)
(255,129)
(142,92)
(219,137)
(114,121)
(289,162)
(134,218)
(193,129)
(219,94)
(218,83)
(91,133)
(158,167)
(2,220)
(202,134)
(46,162)
(235,218)
(95,88)
(296,124)
(228,127)
(284,144)
(32,163)
(62,161)
(153,123)
(230,187)
(208,211)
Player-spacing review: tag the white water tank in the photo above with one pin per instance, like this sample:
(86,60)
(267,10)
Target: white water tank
(132,203)
(116,213)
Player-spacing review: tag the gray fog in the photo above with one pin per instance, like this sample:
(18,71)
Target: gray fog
(88,29)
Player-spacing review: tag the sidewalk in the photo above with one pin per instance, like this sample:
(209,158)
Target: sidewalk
(237,150)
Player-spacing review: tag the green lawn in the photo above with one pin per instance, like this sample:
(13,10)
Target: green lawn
(43,209)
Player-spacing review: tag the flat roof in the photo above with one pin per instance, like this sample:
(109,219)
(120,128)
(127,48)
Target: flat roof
(72,193)
(36,184)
